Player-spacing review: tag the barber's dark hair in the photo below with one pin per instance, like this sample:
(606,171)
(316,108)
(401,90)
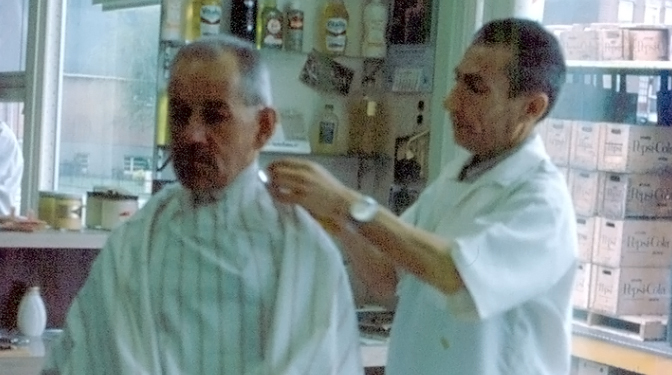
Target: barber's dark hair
(255,86)
(538,64)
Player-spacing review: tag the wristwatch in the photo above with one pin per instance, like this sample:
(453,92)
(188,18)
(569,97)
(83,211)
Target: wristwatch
(364,209)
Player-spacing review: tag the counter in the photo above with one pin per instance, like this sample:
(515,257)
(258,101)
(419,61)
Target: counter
(374,354)
(54,239)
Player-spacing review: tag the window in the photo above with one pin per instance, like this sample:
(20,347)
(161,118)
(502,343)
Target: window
(13,32)
(108,96)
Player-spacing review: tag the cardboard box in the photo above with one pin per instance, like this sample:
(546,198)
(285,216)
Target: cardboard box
(630,291)
(585,231)
(633,243)
(610,44)
(585,145)
(631,196)
(579,43)
(558,137)
(635,149)
(647,43)
(581,291)
(586,191)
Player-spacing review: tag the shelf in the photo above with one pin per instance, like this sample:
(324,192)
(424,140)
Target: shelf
(55,239)
(623,67)
(648,358)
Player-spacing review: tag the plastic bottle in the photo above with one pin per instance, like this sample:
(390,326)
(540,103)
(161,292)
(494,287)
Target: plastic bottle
(191,27)
(171,20)
(294,31)
(327,132)
(270,26)
(244,19)
(32,314)
(210,17)
(375,25)
(332,29)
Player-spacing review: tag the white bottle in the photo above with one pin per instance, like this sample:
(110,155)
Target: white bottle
(32,315)
(375,20)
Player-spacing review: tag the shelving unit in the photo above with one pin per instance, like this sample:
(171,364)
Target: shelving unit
(644,357)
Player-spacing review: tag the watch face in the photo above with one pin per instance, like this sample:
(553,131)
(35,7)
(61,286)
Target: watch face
(364,210)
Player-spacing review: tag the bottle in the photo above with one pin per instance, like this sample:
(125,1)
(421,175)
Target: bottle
(171,20)
(375,24)
(327,131)
(294,31)
(192,20)
(244,19)
(333,27)
(210,17)
(32,315)
(270,26)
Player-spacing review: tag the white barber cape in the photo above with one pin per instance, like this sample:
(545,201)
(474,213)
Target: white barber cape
(11,169)
(242,285)
(514,244)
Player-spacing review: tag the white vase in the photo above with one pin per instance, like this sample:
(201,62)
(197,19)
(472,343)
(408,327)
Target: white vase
(32,316)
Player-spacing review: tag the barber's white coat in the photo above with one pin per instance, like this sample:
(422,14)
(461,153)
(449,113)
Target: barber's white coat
(514,244)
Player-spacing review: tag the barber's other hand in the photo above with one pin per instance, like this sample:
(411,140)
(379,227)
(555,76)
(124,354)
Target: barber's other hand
(310,185)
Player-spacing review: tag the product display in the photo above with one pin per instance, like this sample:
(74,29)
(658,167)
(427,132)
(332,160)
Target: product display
(244,19)
(327,132)
(270,26)
(333,28)
(374,44)
(171,20)
(294,31)
(32,314)
(210,17)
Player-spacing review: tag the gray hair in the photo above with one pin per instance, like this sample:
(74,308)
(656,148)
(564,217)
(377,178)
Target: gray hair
(255,77)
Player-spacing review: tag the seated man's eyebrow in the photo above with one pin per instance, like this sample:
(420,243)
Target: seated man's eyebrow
(215,104)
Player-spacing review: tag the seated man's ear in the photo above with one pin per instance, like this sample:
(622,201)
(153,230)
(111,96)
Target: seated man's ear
(267,119)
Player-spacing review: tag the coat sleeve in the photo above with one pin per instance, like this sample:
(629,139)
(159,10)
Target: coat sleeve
(519,249)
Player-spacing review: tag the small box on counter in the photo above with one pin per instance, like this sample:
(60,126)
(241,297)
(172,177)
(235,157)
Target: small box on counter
(557,139)
(647,43)
(587,367)
(630,291)
(586,190)
(585,231)
(585,145)
(633,243)
(581,291)
(635,149)
(636,196)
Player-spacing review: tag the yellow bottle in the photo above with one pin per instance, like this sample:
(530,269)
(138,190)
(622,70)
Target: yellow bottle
(191,25)
(332,29)
(162,130)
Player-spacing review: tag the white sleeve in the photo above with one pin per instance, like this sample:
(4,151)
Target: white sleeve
(518,250)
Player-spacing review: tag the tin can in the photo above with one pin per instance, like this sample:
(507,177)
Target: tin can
(68,211)
(94,207)
(46,207)
(117,208)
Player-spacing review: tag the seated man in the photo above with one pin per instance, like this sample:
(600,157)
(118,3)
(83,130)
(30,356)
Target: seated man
(11,170)
(212,276)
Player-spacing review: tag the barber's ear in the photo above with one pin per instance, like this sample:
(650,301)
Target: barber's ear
(267,119)
(536,106)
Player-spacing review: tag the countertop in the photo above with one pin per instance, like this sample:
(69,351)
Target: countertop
(54,239)
(374,354)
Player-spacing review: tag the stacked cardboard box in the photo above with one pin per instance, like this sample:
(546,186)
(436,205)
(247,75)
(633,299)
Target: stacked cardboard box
(613,42)
(620,180)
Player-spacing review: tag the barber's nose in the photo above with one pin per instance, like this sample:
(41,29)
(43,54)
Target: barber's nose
(196,130)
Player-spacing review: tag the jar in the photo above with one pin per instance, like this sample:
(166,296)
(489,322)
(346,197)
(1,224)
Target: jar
(68,214)
(94,209)
(32,314)
(117,208)
(46,207)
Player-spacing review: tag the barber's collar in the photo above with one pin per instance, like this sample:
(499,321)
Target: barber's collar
(505,167)
(244,180)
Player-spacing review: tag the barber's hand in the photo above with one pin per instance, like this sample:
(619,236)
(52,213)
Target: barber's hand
(308,184)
